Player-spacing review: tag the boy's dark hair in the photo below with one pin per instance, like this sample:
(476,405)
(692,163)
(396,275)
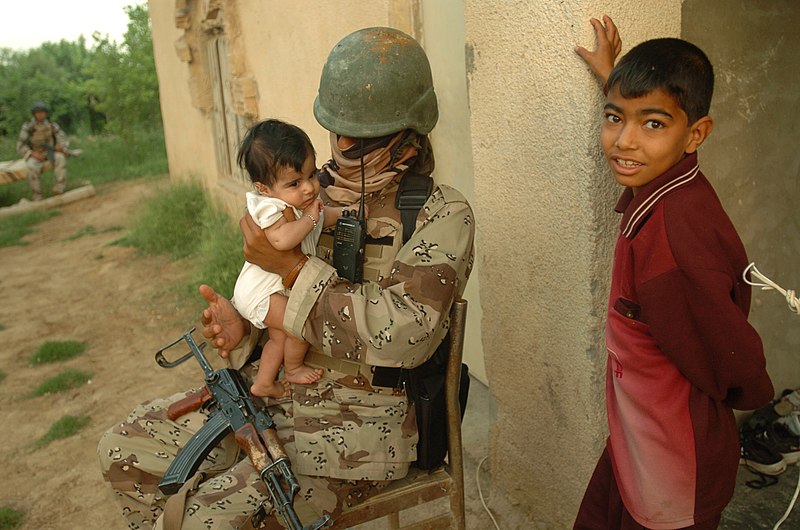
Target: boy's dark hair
(271,145)
(678,67)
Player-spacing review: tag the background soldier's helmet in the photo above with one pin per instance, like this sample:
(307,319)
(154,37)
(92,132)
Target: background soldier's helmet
(376,81)
(39,106)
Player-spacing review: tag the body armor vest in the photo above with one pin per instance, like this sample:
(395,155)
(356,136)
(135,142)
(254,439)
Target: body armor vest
(384,236)
(41,135)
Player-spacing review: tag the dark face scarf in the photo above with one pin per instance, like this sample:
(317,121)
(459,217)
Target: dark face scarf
(385,160)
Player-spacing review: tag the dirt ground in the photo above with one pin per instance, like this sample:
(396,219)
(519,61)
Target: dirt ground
(81,289)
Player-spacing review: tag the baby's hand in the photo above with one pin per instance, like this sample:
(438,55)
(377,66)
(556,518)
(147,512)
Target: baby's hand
(314,209)
(609,44)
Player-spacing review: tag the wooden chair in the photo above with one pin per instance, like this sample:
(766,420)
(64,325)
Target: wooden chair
(420,486)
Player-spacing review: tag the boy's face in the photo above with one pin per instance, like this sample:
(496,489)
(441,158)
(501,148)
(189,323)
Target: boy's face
(644,137)
(298,189)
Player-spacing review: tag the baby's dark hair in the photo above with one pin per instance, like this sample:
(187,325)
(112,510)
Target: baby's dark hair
(271,145)
(678,67)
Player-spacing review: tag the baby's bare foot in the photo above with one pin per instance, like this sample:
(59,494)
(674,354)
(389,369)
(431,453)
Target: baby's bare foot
(303,375)
(276,389)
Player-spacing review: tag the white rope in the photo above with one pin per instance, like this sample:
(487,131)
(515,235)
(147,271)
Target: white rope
(791,505)
(480,493)
(768,285)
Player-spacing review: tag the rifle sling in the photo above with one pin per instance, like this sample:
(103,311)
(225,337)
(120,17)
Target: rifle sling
(175,507)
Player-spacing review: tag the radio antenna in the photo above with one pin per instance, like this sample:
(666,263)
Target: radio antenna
(363,179)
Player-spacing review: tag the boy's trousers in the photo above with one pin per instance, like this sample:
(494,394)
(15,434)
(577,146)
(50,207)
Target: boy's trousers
(602,507)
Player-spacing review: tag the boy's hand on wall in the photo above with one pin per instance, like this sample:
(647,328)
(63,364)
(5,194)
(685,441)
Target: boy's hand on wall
(609,44)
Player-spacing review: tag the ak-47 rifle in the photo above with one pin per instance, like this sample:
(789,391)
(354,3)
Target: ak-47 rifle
(231,408)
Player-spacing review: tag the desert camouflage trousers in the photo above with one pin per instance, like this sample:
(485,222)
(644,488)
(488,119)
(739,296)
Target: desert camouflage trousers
(35,168)
(135,454)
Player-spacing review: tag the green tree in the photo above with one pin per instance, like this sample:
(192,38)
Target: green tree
(122,79)
(54,72)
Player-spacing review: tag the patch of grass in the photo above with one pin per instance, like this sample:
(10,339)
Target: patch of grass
(219,255)
(169,222)
(54,351)
(108,158)
(197,231)
(63,427)
(64,381)
(2,376)
(85,231)
(10,518)
(14,227)
(2,327)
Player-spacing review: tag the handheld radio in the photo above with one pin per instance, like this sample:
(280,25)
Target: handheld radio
(349,237)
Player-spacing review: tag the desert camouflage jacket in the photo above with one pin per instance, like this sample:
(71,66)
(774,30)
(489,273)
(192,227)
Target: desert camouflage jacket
(34,136)
(345,426)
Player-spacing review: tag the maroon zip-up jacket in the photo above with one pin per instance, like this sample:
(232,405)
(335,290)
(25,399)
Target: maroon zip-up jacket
(681,352)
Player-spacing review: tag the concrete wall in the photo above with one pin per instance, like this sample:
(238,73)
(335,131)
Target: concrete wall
(187,131)
(544,201)
(753,155)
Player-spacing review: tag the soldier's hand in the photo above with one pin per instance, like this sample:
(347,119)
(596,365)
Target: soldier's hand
(222,324)
(259,251)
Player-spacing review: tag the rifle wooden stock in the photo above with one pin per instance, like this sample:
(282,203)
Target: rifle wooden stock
(274,445)
(190,403)
(248,439)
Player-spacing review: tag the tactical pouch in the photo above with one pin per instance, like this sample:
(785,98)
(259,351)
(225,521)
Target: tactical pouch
(425,388)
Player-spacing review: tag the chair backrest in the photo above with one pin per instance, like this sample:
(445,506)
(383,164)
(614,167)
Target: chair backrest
(455,462)
(458,317)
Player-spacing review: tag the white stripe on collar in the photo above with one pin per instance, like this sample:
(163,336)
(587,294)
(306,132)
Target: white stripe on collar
(650,202)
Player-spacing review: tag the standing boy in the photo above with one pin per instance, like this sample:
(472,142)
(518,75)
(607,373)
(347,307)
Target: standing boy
(681,354)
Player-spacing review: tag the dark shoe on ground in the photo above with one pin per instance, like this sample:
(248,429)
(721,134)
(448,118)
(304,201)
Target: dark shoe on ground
(785,441)
(758,452)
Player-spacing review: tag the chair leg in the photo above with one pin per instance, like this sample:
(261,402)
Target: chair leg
(394,520)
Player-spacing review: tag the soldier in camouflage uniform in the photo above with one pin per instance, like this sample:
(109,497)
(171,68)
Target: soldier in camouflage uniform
(346,435)
(41,141)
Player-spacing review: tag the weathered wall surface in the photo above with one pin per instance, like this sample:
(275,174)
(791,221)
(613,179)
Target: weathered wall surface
(753,155)
(544,201)
(187,131)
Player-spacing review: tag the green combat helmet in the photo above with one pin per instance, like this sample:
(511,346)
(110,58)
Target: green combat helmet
(39,106)
(376,81)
